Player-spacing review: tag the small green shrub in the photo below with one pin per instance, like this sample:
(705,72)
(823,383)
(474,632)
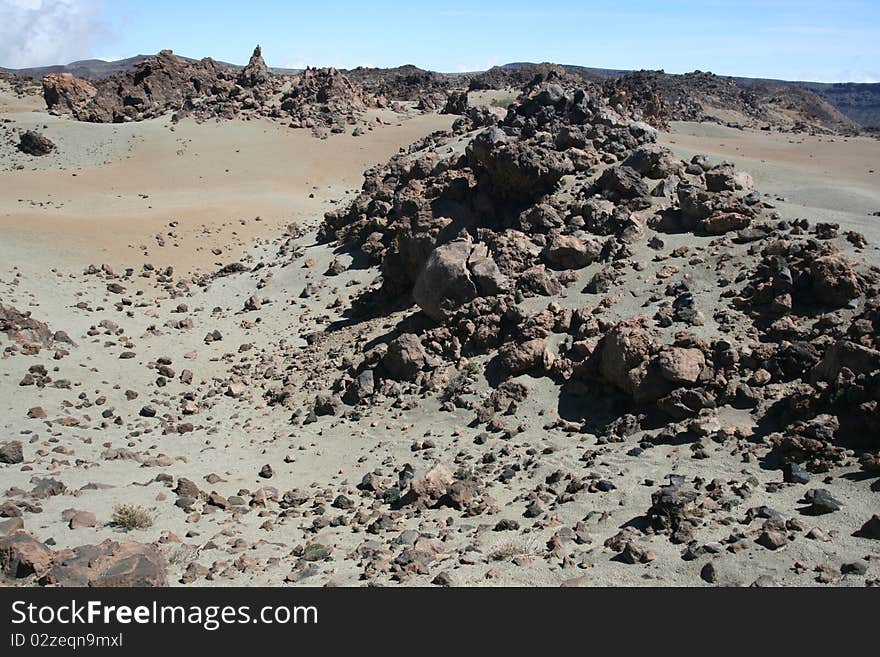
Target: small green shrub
(460,385)
(129,517)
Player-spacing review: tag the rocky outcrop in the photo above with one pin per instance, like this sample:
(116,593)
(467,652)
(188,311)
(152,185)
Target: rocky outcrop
(319,99)
(65,94)
(456,273)
(24,329)
(456,103)
(564,183)
(161,84)
(108,564)
(408,83)
(658,97)
(256,73)
(324,99)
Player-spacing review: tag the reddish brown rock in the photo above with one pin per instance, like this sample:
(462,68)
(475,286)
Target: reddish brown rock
(256,72)
(82,519)
(405,357)
(22,555)
(516,358)
(11,525)
(623,348)
(34,143)
(433,484)
(108,564)
(835,282)
(22,328)
(681,366)
(570,252)
(64,93)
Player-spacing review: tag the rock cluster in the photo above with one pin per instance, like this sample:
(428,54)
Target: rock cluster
(324,98)
(565,184)
(583,360)
(407,83)
(503,77)
(109,564)
(658,97)
(156,86)
(27,333)
(320,99)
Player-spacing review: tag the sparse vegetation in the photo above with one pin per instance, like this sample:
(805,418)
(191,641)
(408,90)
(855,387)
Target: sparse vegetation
(129,517)
(460,384)
(511,549)
(503,101)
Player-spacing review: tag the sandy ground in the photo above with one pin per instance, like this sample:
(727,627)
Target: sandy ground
(108,194)
(113,193)
(827,178)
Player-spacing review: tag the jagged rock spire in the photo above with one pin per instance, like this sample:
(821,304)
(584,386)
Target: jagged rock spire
(256,72)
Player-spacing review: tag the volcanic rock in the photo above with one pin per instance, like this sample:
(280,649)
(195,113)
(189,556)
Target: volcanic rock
(34,143)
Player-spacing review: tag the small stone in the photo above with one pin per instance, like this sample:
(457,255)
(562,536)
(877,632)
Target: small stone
(581,582)
(764,581)
(854,568)
(772,540)
(708,573)
(444,579)
(794,473)
(818,535)
(822,502)
(11,452)
(871,529)
(82,520)
(342,502)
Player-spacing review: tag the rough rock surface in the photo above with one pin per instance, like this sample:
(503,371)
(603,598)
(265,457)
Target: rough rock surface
(319,99)
(536,348)
(33,143)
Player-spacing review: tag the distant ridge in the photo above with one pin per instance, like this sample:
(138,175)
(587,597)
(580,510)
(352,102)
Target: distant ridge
(859,102)
(98,69)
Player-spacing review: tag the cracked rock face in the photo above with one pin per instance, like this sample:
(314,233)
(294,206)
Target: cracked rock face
(456,273)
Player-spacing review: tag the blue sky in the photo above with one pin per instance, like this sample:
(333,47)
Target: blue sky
(824,41)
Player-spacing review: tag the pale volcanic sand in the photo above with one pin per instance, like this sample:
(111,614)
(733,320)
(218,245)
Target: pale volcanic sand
(820,178)
(104,220)
(10,102)
(214,179)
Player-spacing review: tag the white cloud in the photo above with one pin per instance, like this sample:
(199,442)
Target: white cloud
(46,32)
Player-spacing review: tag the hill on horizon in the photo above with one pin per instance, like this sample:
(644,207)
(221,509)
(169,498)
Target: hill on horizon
(858,101)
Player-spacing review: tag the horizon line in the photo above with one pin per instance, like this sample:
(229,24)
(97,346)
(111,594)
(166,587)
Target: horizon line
(453,73)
